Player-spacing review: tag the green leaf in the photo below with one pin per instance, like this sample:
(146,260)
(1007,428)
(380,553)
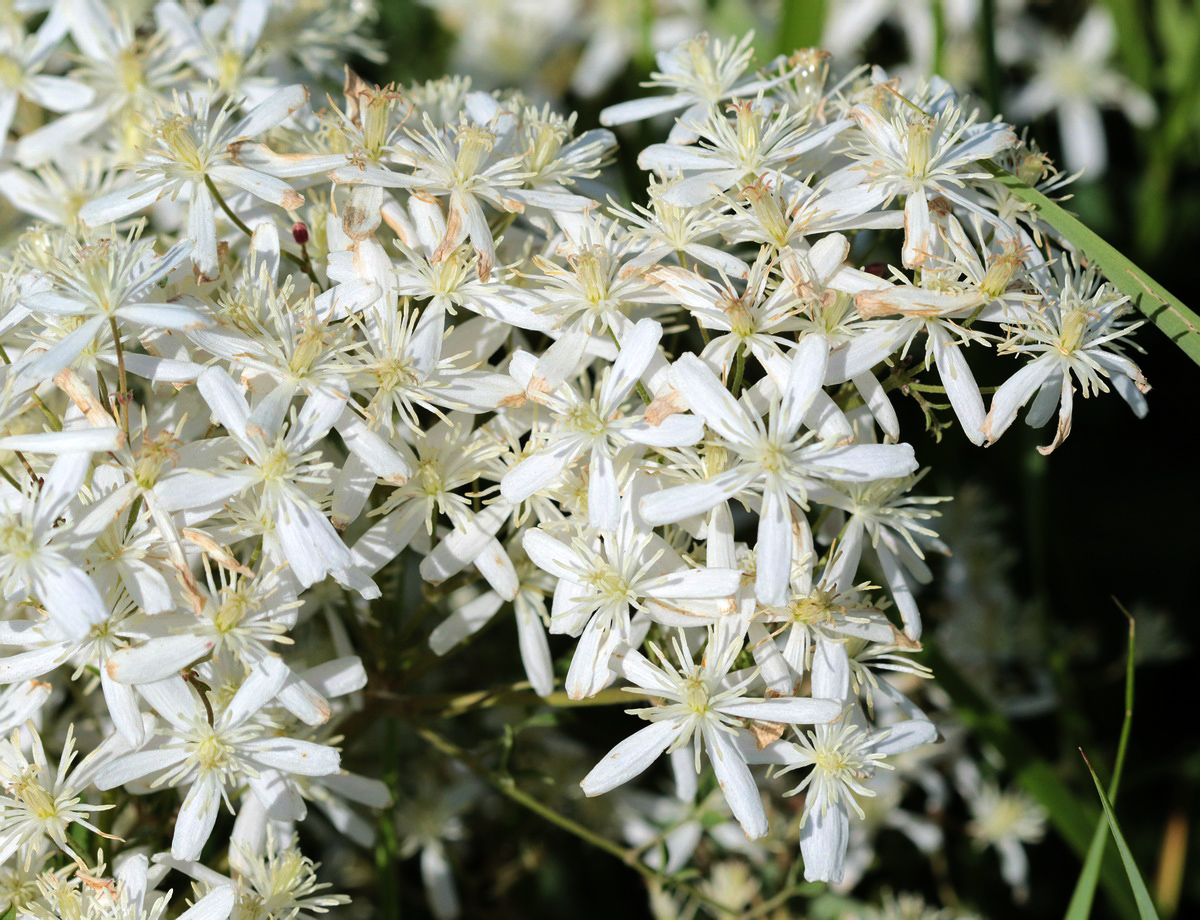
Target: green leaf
(800,25)
(1141,893)
(1080,907)
(1162,308)
(1072,818)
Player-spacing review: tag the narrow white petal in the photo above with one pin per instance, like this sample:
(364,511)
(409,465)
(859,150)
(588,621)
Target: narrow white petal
(692,498)
(464,622)
(823,842)
(631,757)
(733,776)
(786,709)
(551,555)
(775,548)
(258,689)
(157,659)
(539,469)
(711,401)
(196,818)
(295,756)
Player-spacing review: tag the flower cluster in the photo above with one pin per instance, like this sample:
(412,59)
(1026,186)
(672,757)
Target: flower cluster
(257,343)
(581,46)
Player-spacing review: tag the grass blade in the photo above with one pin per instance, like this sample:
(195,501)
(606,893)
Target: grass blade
(1141,894)
(1072,818)
(1085,889)
(1163,309)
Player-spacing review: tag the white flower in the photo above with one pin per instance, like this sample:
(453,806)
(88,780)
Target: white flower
(108,283)
(36,548)
(280,460)
(603,575)
(1077,335)
(770,458)
(207,752)
(702,72)
(921,156)
(191,150)
(756,144)
(597,426)
(704,707)
(841,756)
(1074,79)
(38,802)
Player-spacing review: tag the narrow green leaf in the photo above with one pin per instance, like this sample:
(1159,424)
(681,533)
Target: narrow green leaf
(1072,818)
(1166,311)
(1141,893)
(800,25)
(1080,907)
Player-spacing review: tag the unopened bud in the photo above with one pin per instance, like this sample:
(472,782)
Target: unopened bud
(300,232)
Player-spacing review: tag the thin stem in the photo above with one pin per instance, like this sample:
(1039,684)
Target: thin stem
(122,380)
(507,787)
(34,477)
(221,203)
(305,264)
(12,482)
(449,705)
(51,417)
(739,371)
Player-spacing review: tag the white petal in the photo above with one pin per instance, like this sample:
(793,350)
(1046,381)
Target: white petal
(631,757)
(258,689)
(271,111)
(787,709)
(535,648)
(134,766)
(194,823)
(693,583)
(906,736)
(809,362)
(539,469)
(551,555)
(268,188)
(823,842)
(295,756)
(775,548)
(157,659)
(120,203)
(638,109)
(70,598)
(604,498)
(959,381)
(711,401)
(733,776)
(692,498)
(464,622)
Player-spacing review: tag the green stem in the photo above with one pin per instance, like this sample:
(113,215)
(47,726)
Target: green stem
(12,482)
(449,705)
(54,420)
(739,371)
(506,786)
(122,380)
(304,264)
